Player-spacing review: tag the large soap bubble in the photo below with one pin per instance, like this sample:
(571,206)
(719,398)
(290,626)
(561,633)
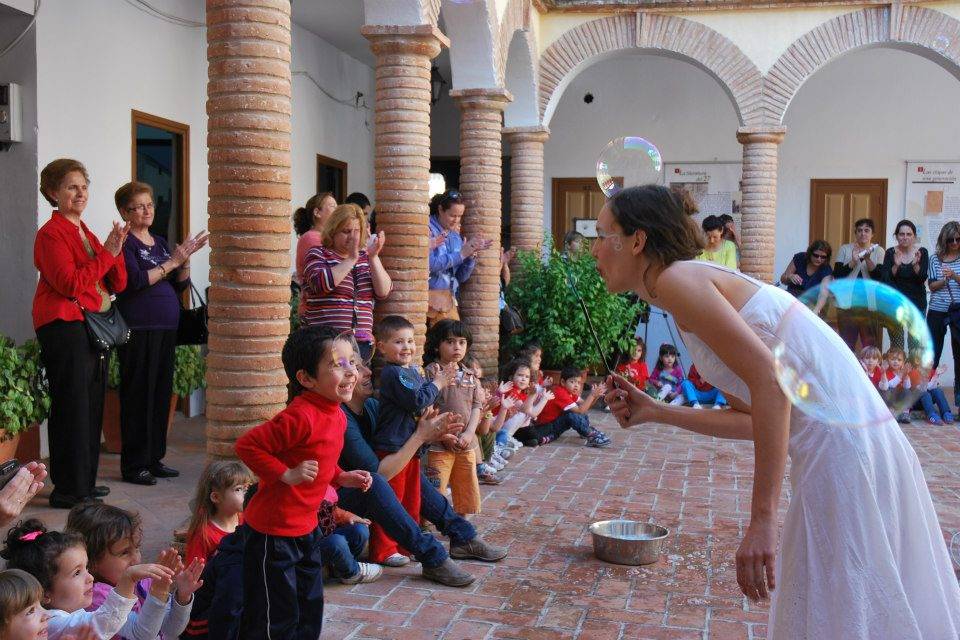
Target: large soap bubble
(630,161)
(892,366)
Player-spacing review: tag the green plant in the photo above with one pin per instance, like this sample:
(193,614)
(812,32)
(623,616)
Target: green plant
(24,397)
(552,314)
(294,309)
(113,370)
(190,370)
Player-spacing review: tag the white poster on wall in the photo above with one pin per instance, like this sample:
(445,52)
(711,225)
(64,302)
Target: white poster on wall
(715,186)
(932,197)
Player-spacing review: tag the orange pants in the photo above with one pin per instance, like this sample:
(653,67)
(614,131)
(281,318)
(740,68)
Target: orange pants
(459,470)
(406,484)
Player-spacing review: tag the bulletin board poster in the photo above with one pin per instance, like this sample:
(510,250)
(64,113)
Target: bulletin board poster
(932,197)
(715,186)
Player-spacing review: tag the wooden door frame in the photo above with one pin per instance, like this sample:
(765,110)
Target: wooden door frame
(559,207)
(336,164)
(879,234)
(183,130)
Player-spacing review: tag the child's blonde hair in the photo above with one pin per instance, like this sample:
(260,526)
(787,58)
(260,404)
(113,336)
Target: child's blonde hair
(869,352)
(18,590)
(218,475)
(895,351)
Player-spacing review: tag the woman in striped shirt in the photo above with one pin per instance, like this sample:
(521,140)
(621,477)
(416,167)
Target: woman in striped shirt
(944,282)
(341,280)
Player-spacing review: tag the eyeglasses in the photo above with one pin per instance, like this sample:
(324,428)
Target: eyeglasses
(819,256)
(140,208)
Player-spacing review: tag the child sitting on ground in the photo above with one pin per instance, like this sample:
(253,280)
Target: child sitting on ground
(932,399)
(533,353)
(58,561)
(345,536)
(697,391)
(635,370)
(113,537)
(895,381)
(870,360)
(566,411)
(515,384)
(667,375)
(217,507)
(294,455)
(404,395)
(453,460)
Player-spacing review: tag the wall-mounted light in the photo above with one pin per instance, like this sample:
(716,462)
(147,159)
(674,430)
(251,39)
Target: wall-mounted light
(437,82)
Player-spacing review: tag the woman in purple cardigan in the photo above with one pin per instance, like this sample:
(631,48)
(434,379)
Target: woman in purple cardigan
(149,304)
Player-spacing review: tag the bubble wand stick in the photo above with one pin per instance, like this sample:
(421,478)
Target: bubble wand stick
(586,314)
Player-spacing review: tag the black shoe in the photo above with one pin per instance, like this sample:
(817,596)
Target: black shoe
(100,491)
(63,501)
(161,470)
(143,477)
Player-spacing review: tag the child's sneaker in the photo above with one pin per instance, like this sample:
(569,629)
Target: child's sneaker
(934,419)
(497,462)
(516,443)
(396,560)
(948,417)
(546,440)
(598,439)
(504,452)
(904,418)
(367,573)
(717,406)
(487,475)
(697,405)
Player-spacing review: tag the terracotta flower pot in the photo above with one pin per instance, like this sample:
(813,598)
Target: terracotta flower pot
(8,445)
(111,421)
(29,446)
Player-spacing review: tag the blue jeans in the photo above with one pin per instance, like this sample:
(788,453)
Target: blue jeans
(435,508)
(693,395)
(934,403)
(380,504)
(579,422)
(340,549)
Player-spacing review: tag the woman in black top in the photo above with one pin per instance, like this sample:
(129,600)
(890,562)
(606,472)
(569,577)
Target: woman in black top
(905,269)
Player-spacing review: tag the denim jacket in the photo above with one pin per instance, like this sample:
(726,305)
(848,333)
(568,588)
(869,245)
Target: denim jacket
(448,269)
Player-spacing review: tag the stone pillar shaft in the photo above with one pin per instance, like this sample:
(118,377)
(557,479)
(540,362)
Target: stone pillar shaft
(248,105)
(402,162)
(759,207)
(526,185)
(481,181)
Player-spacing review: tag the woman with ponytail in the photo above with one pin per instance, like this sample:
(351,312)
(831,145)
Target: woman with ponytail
(308,224)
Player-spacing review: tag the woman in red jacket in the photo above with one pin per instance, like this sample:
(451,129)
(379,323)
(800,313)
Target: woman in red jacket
(76,272)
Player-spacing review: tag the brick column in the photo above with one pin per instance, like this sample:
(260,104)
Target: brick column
(248,105)
(402,162)
(526,185)
(481,180)
(761,146)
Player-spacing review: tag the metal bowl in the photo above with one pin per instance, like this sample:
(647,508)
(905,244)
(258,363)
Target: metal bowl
(627,541)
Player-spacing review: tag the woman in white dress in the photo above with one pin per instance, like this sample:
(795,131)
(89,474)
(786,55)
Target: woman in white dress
(863,556)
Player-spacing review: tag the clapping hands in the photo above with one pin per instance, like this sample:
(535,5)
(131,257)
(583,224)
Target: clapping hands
(375,244)
(183,251)
(114,242)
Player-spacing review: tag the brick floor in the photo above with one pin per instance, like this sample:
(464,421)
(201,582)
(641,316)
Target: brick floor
(551,586)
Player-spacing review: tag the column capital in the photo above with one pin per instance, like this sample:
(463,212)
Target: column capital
(493,98)
(522,134)
(747,135)
(425,39)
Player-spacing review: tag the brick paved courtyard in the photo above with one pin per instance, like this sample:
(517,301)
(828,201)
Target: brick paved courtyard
(550,586)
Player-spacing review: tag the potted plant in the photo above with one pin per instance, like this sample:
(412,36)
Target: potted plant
(541,291)
(29,446)
(20,406)
(189,374)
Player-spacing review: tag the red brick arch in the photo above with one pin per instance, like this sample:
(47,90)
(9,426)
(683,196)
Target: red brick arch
(929,33)
(669,35)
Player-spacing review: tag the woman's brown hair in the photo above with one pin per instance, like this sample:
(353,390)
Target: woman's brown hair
(54,173)
(128,192)
(303,217)
(949,230)
(672,234)
(340,216)
(821,245)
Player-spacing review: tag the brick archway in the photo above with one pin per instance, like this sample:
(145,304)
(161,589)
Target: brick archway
(668,35)
(926,32)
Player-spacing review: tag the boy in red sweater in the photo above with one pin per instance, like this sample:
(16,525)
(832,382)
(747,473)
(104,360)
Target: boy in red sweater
(295,457)
(565,410)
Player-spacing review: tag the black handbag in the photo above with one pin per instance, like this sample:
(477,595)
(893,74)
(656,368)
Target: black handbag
(192,327)
(511,322)
(106,329)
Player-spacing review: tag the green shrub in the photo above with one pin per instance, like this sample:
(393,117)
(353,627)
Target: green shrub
(24,394)
(552,315)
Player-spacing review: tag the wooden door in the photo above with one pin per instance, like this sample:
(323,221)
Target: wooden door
(836,204)
(574,198)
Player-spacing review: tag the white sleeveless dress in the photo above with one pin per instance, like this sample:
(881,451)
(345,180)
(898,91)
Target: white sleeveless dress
(862,555)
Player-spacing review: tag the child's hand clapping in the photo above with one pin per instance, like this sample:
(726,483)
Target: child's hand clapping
(188,581)
(137,572)
(306,471)
(446,375)
(449,441)
(548,382)
(504,388)
(599,390)
(356,479)
(160,588)
(548,395)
